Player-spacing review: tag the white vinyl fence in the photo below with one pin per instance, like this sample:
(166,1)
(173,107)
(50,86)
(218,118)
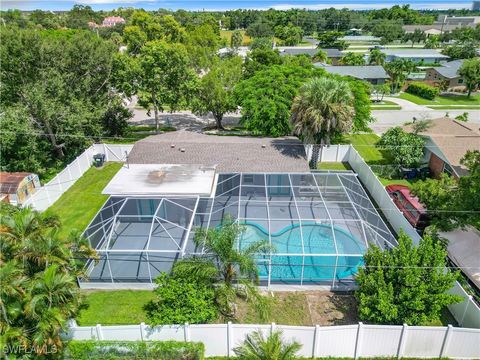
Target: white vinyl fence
(45,196)
(329,341)
(467,312)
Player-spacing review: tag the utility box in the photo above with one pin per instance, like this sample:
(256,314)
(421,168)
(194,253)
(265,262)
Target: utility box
(98,160)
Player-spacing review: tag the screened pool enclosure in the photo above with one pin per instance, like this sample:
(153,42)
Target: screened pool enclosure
(319,224)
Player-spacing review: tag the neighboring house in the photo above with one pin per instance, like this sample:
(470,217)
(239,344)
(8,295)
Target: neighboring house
(447,72)
(415,55)
(333,55)
(109,21)
(444,24)
(374,74)
(448,141)
(360,38)
(18,186)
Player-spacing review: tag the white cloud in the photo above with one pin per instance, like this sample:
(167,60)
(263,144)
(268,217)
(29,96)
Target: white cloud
(437,6)
(94,2)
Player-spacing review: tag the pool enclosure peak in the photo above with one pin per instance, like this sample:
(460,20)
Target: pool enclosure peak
(319,224)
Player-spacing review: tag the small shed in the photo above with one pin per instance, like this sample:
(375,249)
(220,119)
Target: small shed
(18,186)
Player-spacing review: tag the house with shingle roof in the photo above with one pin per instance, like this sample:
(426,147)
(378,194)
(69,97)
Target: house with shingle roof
(447,143)
(333,55)
(415,55)
(227,153)
(374,74)
(16,187)
(447,72)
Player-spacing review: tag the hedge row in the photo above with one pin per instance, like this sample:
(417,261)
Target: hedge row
(106,350)
(423,90)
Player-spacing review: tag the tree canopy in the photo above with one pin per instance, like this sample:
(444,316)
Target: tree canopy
(470,71)
(405,148)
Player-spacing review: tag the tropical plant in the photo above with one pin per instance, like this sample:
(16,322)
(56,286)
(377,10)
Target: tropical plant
(331,40)
(461,50)
(432,42)
(258,347)
(39,293)
(323,107)
(226,264)
(416,36)
(236,39)
(376,57)
(407,284)
(379,91)
(352,59)
(321,56)
(470,71)
(398,71)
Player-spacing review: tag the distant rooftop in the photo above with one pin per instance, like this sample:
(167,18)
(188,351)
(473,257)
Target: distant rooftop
(228,153)
(9,181)
(449,69)
(331,53)
(360,38)
(359,72)
(423,53)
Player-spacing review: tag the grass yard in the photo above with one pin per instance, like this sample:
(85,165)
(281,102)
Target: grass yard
(79,204)
(227,35)
(449,107)
(333,166)
(116,307)
(451,100)
(385,105)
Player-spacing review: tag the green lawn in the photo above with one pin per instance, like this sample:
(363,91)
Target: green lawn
(79,204)
(443,100)
(227,35)
(333,166)
(385,105)
(450,107)
(114,307)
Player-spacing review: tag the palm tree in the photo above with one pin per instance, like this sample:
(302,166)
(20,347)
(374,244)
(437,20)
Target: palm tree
(226,263)
(257,347)
(398,71)
(376,57)
(321,56)
(323,107)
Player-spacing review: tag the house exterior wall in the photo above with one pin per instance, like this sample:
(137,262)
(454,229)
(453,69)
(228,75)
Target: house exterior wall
(432,75)
(436,165)
(376,81)
(414,59)
(27,187)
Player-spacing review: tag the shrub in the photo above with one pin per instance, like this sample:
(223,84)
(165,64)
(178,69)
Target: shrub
(406,149)
(162,350)
(423,90)
(180,301)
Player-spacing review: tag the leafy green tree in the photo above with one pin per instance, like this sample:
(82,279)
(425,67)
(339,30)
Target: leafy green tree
(261,59)
(331,40)
(323,107)
(225,264)
(266,98)
(262,43)
(398,71)
(432,42)
(321,56)
(405,148)
(215,90)
(260,28)
(289,34)
(470,71)
(353,59)
(407,284)
(379,91)
(203,42)
(461,50)
(115,119)
(258,347)
(363,115)
(376,57)
(388,30)
(236,40)
(39,293)
(79,17)
(160,76)
(179,301)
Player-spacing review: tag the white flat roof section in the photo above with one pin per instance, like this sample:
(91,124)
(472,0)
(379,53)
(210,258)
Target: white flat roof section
(162,179)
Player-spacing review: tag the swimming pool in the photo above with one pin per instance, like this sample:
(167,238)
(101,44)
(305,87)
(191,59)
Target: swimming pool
(329,252)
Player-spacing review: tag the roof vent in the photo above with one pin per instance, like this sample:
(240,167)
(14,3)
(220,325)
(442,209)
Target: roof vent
(172,146)
(182,149)
(264,146)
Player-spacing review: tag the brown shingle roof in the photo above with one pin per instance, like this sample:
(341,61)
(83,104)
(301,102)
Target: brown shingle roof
(453,138)
(229,153)
(9,181)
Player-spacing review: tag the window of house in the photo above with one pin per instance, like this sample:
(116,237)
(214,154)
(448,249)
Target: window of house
(460,81)
(447,169)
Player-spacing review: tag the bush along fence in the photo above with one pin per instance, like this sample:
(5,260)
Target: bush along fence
(467,312)
(423,90)
(46,196)
(352,341)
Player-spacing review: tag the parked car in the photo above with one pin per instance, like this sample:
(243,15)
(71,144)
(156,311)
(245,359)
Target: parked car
(409,205)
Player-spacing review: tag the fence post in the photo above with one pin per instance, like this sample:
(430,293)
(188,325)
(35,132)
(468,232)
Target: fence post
(359,340)
(446,340)
(142,331)
(229,339)
(186,331)
(99,332)
(272,327)
(403,341)
(316,336)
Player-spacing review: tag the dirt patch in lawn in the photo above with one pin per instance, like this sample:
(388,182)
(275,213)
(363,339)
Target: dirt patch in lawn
(303,308)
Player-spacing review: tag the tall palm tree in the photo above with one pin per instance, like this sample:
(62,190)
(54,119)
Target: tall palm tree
(376,57)
(323,107)
(398,71)
(257,347)
(229,265)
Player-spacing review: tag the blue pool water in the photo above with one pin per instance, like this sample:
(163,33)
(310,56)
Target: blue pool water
(318,240)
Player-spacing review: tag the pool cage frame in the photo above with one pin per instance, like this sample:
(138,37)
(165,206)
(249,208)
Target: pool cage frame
(306,192)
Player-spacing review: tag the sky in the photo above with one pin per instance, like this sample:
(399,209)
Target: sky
(225,5)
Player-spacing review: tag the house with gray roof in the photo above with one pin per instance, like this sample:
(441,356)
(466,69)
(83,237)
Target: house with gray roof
(374,74)
(448,73)
(226,153)
(415,55)
(333,55)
